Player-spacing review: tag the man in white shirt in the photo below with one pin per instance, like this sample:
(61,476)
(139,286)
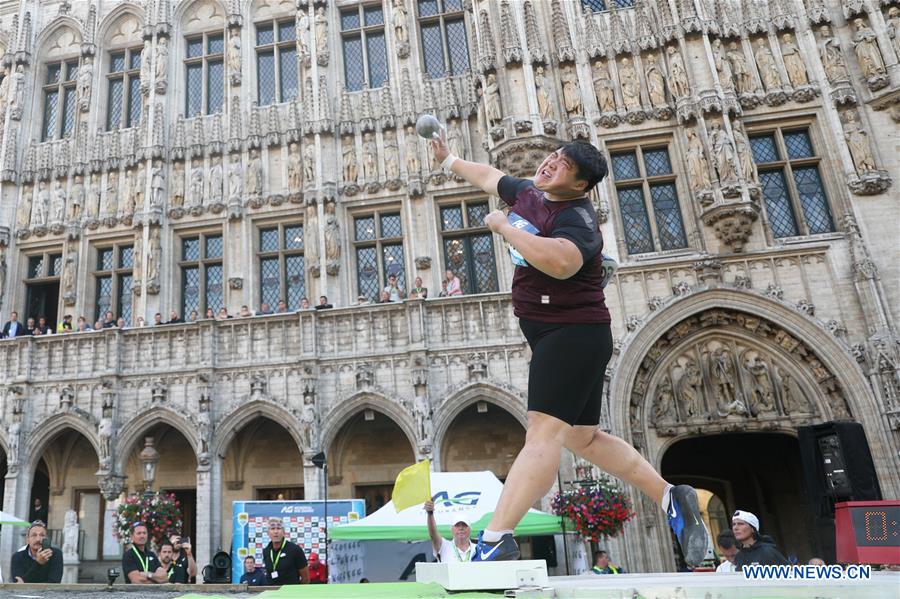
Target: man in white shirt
(727,546)
(460,549)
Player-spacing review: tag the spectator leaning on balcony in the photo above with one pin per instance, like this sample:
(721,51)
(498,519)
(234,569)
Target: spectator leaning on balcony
(304,303)
(395,293)
(33,563)
(245,312)
(282,307)
(98,325)
(264,309)
(13,328)
(384,297)
(30,326)
(754,549)
(173,318)
(43,326)
(109,321)
(66,325)
(454,287)
(418,292)
(323,303)
(195,316)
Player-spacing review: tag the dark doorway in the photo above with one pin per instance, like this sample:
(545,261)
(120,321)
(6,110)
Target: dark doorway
(40,489)
(280,494)
(43,300)
(757,472)
(188,500)
(375,496)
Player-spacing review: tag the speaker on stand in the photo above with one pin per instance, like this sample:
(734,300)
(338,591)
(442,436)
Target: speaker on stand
(837,466)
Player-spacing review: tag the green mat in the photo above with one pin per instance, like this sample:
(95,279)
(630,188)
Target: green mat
(377,590)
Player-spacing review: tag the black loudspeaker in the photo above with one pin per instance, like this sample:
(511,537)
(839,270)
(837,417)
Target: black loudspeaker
(837,466)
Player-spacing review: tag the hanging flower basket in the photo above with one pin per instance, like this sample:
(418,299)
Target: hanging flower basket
(598,509)
(160,512)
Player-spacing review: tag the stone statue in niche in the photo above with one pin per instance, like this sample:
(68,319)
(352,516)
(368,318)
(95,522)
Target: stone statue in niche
(95,192)
(391,156)
(196,183)
(762,390)
(216,181)
(793,61)
(664,402)
(858,143)
(492,110)
(161,61)
(177,200)
(321,29)
(411,149)
(656,85)
(690,389)
(311,237)
(768,72)
(724,152)
(832,57)
(724,377)
(234,54)
(697,165)
(309,423)
(867,52)
(302,27)
(18,99)
(603,87)
(422,413)
(348,154)
(631,86)
(40,212)
(455,139)
(571,92)
(146,54)
(892,27)
(70,537)
(138,253)
(204,429)
(111,205)
(254,176)
(69,276)
(742,75)
(332,239)
(140,184)
(370,157)
(545,104)
(295,168)
(678,79)
(235,179)
(4,92)
(309,162)
(157,185)
(104,437)
(792,398)
(723,65)
(59,202)
(77,199)
(23,211)
(401,34)
(153,256)
(744,152)
(85,77)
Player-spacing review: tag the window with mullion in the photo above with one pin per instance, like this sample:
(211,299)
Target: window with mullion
(601,5)
(59,99)
(793,192)
(469,246)
(123,104)
(204,67)
(202,277)
(282,271)
(442,29)
(113,278)
(378,240)
(276,62)
(648,200)
(364,48)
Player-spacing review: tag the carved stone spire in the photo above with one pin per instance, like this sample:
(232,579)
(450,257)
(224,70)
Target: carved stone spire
(430,103)
(643,32)
(386,106)
(781,14)
(28,169)
(308,106)
(23,50)
(235,133)
(197,141)
(729,18)
(534,36)
(668,29)
(754,19)
(509,35)
(365,107)
(690,20)
(618,37)
(90,26)
(487,53)
(273,127)
(565,52)
(345,120)
(407,98)
(817,12)
(593,41)
(254,128)
(854,8)
(324,100)
(13,36)
(449,99)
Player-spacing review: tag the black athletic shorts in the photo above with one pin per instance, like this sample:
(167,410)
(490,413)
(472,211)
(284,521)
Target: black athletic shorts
(568,366)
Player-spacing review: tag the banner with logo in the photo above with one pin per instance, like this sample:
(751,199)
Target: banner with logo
(469,496)
(304,524)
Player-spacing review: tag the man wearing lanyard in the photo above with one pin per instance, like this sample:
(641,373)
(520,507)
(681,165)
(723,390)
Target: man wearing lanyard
(285,562)
(185,566)
(139,564)
(167,562)
(460,550)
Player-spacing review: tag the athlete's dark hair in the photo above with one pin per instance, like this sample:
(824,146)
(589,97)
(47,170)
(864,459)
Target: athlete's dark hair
(726,539)
(588,160)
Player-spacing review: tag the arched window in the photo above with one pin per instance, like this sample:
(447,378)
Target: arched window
(58,82)
(204,59)
(123,68)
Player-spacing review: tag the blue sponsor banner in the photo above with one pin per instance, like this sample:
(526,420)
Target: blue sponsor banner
(304,524)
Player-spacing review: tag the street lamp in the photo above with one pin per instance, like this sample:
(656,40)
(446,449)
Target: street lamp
(319,461)
(149,458)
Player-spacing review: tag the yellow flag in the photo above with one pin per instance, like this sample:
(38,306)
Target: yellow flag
(413,486)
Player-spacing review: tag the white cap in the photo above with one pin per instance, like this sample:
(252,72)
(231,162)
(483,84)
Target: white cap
(746,517)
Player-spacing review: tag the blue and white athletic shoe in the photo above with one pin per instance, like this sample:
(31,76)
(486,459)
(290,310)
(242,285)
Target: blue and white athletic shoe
(505,549)
(687,524)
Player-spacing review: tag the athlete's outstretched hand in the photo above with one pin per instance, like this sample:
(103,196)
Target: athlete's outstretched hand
(494,220)
(440,147)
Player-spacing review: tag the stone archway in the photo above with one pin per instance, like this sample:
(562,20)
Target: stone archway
(482,436)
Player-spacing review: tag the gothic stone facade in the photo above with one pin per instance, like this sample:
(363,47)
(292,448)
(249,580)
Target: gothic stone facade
(177,155)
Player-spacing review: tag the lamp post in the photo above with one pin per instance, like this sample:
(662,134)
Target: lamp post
(319,461)
(149,458)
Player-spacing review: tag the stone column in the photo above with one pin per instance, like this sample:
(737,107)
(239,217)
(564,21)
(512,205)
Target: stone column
(313,480)
(209,514)
(15,501)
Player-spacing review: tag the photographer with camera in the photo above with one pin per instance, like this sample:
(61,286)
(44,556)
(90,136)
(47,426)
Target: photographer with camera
(183,560)
(37,561)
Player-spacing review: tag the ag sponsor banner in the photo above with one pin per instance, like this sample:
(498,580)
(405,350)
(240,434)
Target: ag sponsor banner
(304,524)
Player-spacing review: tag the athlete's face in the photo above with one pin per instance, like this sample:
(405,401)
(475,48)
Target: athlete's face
(742,531)
(558,175)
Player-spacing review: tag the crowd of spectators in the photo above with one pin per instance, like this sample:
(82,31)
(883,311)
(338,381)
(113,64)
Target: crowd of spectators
(393,292)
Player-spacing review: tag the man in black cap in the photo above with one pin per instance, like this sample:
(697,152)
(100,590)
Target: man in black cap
(285,562)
